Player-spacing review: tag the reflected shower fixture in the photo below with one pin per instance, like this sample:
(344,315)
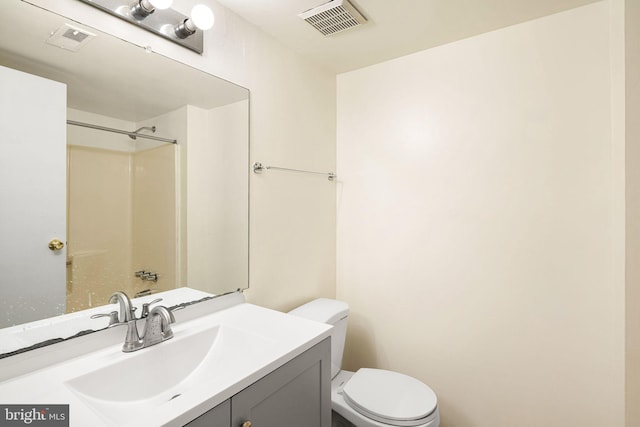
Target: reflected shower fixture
(134,134)
(157,17)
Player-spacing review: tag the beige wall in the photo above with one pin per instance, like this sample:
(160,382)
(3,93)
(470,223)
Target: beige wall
(507,308)
(292,216)
(632,89)
(292,125)
(478,228)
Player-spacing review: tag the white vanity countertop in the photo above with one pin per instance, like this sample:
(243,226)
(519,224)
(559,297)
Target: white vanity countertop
(241,344)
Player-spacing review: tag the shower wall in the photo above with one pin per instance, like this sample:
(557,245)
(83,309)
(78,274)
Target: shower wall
(99,219)
(154,215)
(121,212)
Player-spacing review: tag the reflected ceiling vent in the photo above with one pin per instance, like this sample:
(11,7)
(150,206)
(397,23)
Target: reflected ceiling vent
(69,37)
(333,17)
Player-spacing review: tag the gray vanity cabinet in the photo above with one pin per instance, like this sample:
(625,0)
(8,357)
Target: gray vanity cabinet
(296,394)
(220,416)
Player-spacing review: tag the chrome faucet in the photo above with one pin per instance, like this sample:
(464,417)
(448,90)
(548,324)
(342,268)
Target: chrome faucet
(126,309)
(157,326)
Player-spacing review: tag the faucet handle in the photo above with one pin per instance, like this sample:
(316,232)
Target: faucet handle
(113,317)
(145,307)
(157,328)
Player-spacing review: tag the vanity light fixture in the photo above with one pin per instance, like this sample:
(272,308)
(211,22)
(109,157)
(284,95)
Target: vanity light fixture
(201,18)
(157,17)
(143,8)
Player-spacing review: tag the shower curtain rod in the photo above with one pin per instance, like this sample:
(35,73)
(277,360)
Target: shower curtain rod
(123,132)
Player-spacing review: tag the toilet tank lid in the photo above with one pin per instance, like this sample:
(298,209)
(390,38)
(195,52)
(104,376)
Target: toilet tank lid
(323,310)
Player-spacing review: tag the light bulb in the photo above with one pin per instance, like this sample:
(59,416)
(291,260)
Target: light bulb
(143,8)
(202,17)
(161,4)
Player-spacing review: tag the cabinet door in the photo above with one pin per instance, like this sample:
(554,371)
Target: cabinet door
(220,416)
(296,394)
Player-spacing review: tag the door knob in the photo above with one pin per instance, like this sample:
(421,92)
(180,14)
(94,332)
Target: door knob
(246,424)
(56,245)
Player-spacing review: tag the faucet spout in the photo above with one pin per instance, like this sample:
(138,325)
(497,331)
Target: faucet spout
(126,310)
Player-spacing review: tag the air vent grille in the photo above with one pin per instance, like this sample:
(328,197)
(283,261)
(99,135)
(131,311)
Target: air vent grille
(69,37)
(333,17)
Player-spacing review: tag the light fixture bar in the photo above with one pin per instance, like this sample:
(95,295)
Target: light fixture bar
(161,22)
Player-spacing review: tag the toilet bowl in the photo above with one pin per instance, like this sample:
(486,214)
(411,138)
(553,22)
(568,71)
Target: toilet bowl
(370,397)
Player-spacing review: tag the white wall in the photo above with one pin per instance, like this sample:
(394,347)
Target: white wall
(87,137)
(478,224)
(218,228)
(292,124)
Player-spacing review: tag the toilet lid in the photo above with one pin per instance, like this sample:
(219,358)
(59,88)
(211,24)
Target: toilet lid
(389,397)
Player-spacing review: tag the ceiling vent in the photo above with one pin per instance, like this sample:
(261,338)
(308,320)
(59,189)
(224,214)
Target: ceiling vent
(69,37)
(333,17)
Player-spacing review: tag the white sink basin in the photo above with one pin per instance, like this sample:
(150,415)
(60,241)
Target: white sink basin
(208,360)
(148,372)
(138,382)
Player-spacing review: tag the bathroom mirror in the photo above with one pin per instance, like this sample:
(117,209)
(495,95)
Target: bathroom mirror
(127,212)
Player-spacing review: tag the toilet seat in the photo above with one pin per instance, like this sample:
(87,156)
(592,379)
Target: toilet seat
(389,397)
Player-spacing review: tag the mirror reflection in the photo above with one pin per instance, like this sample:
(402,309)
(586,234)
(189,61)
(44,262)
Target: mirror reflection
(122,202)
(88,210)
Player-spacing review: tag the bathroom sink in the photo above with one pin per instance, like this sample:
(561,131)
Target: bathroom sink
(150,371)
(137,382)
(210,358)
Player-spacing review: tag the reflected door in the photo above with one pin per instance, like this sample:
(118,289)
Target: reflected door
(32,197)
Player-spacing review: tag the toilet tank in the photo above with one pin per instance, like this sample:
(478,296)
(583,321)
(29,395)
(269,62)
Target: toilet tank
(334,313)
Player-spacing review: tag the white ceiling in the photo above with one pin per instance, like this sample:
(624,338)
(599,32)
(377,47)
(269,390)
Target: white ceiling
(395,28)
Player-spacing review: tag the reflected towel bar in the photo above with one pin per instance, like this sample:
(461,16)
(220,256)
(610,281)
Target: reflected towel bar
(259,168)
(124,132)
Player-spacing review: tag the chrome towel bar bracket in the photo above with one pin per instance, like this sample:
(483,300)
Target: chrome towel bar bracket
(260,168)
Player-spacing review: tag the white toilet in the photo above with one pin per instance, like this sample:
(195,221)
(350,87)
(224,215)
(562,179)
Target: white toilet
(370,397)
